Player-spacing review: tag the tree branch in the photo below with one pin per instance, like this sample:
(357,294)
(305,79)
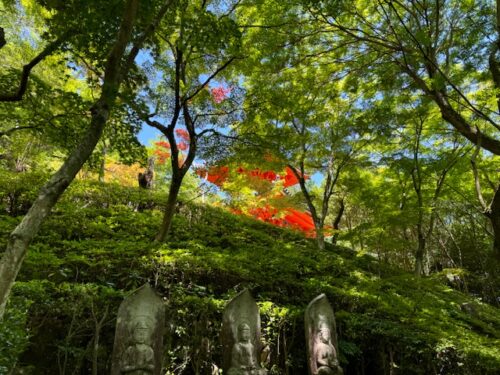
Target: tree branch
(216,133)
(477,181)
(3,42)
(23,85)
(193,140)
(15,128)
(450,115)
(155,124)
(146,34)
(336,222)
(435,66)
(207,81)
(495,72)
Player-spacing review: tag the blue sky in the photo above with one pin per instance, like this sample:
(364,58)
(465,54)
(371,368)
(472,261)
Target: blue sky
(148,134)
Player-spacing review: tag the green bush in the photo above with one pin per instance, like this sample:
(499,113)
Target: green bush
(97,245)
(14,334)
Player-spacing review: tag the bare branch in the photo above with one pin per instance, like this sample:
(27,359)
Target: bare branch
(216,114)
(216,133)
(452,116)
(147,118)
(88,65)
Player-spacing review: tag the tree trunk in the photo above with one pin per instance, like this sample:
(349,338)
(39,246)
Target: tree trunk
(494,216)
(48,196)
(102,167)
(318,221)
(173,193)
(98,324)
(178,172)
(22,235)
(3,42)
(320,237)
(419,254)
(336,222)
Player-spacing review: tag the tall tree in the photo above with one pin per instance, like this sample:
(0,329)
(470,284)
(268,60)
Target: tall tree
(491,209)
(442,47)
(197,50)
(424,168)
(305,124)
(117,64)
(447,50)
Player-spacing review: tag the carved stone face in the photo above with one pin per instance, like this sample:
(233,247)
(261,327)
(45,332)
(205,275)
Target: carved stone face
(140,335)
(141,331)
(324,335)
(244,332)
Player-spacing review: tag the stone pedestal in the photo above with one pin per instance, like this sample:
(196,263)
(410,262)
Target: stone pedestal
(321,338)
(140,324)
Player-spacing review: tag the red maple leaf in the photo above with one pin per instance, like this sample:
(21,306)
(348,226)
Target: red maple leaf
(183,134)
(219,94)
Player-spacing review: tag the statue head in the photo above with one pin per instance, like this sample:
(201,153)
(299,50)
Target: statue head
(141,330)
(244,332)
(324,334)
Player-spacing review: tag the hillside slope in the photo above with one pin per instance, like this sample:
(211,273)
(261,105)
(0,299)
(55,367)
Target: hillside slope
(97,245)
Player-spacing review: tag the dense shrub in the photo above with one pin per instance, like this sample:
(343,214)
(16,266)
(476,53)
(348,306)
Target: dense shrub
(97,246)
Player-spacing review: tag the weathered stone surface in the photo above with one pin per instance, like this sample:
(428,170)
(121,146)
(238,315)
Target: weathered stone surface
(240,336)
(140,325)
(321,338)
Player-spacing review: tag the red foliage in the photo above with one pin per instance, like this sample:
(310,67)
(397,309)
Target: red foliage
(294,219)
(160,151)
(220,174)
(219,94)
(269,175)
(163,144)
(302,220)
(236,211)
(289,218)
(289,177)
(183,134)
(267,214)
(215,175)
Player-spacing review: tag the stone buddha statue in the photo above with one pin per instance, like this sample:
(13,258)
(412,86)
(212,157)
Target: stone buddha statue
(325,354)
(138,358)
(243,355)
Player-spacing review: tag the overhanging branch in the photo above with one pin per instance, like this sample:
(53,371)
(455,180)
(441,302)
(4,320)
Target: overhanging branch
(23,85)
(147,33)
(14,129)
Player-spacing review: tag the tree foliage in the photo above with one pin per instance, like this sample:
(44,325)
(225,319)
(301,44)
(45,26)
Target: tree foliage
(368,125)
